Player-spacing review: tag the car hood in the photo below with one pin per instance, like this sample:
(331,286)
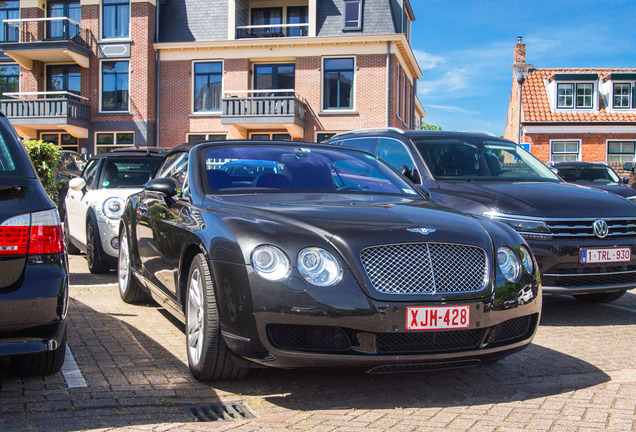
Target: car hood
(615,188)
(360,220)
(540,199)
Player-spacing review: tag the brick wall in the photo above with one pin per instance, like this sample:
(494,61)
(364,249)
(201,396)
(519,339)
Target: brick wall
(593,145)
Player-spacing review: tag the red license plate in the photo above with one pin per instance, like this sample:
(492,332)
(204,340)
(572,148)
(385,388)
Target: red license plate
(437,317)
(605,255)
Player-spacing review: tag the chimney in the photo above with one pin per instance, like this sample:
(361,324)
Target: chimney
(520,51)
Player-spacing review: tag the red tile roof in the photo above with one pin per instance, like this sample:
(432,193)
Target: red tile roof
(536,107)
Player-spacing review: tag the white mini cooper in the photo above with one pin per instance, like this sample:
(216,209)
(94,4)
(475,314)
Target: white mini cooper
(95,202)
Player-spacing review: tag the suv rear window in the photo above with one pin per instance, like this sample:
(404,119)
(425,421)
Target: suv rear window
(14,161)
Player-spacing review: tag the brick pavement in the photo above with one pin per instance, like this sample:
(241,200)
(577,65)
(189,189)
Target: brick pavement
(578,375)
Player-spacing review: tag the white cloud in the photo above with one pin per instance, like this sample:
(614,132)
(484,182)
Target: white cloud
(452,109)
(427,60)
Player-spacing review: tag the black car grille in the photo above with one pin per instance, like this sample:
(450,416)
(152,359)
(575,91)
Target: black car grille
(338,340)
(564,228)
(426,268)
(576,275)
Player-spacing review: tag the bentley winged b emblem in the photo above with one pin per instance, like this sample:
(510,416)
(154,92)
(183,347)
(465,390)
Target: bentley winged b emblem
(424,231)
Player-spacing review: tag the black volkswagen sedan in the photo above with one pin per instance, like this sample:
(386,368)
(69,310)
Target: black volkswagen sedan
(597,175)
(326,258)
(33,265)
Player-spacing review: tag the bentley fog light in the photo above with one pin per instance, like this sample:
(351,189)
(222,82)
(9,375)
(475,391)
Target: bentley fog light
(270,263)
(319,267)
(113,207)
(508,263)
(526,259)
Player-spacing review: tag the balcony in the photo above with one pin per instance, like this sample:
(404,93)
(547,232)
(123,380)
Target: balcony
(272,31)
(31,112)
(49,40)
(264,109)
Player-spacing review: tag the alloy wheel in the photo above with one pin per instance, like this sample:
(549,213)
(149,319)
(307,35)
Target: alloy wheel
(195,317)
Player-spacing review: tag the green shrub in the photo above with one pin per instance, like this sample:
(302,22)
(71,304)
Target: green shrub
(45,157)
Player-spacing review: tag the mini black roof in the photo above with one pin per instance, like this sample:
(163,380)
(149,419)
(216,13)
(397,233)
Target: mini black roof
(130,153)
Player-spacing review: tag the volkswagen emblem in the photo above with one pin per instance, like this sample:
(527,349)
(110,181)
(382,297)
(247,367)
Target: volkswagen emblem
(424,231)
(600,228)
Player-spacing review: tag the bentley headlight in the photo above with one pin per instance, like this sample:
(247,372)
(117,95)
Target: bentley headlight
(113,207)
(318,267)
(270,263)
(526,259)
(508,263)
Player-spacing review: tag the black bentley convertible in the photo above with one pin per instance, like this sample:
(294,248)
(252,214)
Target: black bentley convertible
(303,255)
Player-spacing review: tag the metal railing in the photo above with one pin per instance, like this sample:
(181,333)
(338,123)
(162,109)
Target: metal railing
(52,104)
(272,30)
(263,103)
(29,30)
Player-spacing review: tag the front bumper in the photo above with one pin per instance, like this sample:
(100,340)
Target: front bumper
(109,230)
(299,325)
(562,272)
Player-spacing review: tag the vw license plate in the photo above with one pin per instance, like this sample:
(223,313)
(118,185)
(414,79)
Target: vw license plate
(437,317)
(607,255)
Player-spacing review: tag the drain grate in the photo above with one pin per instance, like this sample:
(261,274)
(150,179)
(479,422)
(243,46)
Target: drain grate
(219,412)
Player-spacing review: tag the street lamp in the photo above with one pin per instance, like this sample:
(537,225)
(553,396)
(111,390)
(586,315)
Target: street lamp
(521,73)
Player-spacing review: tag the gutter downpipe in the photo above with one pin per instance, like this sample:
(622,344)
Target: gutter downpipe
(388,83)
(157,77)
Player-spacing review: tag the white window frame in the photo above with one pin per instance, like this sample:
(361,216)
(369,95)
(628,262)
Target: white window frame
(607,153)
(101,24)
(578,151)
(344,15)
(101,85)
(206,113)
(575,107)
(630,95)
(353,108)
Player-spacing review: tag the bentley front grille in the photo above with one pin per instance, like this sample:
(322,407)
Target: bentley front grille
(426,268)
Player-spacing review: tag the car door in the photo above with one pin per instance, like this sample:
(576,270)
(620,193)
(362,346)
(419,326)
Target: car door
(76,203)
(157,231)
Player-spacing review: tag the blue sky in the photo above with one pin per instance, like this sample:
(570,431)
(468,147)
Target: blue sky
(465,49)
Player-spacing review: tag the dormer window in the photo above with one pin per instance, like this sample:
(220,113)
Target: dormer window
(353,15)
(584,95)
(622,96)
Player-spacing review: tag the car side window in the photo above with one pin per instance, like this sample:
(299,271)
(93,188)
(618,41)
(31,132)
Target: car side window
(396,154)
(366,144)
(175,167)
(89,172)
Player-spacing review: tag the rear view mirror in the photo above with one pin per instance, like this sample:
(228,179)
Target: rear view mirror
(77,183)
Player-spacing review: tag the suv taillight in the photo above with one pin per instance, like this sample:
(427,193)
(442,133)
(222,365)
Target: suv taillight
(33,234)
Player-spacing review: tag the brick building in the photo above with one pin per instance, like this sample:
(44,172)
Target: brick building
(583,114)
(91,74)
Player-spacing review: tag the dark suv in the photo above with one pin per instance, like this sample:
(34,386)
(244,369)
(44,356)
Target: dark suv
(33,265)
(582,238)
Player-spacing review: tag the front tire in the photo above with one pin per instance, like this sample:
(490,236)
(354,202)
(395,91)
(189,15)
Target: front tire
(94,253)
(600,297)
(129,289)
(42,363)
(208,356)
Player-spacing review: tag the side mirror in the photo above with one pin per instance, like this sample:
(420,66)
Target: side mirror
(77,183)
(166,186)
(628,166)
(409,174)
(425,192)
(626,180)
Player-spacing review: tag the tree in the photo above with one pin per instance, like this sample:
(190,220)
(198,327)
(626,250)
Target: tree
(428,126)
(45,157)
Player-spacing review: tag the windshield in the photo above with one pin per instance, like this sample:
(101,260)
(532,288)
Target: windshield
(271,168)
(588,174)
(479,159)
(129,172)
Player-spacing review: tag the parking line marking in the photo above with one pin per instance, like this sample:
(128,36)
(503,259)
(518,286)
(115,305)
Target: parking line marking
(621,307)
(71,372)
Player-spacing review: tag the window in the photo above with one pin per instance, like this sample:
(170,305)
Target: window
(106,141)
(268,18)
(620,151)
(10,10)
(297,15)
(564,151)
(276,77)
(353,15)
(176,168)
(622,95)
(115,86)
(9,78)
(66,141)
(66,78)
(115,19)
(61,28)
(270,136)
(197,138)
(208,78)
(338,83)
(397,155)
(584,95)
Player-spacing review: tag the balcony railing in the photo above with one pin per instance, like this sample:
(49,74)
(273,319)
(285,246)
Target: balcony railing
(273,104)
(27,30)
(270,31)
(38,106)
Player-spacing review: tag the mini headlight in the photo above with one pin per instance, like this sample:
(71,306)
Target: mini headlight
(318,267)
(508,263)
(113,207)
(526,259)
(270,263)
